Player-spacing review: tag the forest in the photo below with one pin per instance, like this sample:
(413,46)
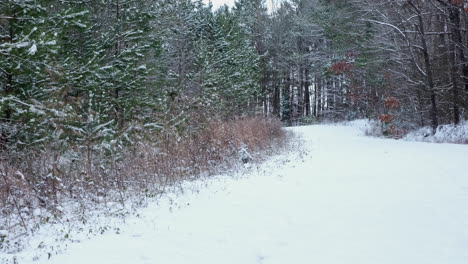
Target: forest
(93,94)
(72,67)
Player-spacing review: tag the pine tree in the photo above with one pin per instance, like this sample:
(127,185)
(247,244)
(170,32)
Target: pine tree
(28,78)
(227,65)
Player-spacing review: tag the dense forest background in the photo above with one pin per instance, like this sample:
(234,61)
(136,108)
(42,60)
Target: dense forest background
(105,100)
(70,69)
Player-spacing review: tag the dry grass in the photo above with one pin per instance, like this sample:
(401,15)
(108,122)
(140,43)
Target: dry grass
(45,180)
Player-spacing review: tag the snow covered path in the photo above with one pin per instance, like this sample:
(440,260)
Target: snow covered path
(354,200)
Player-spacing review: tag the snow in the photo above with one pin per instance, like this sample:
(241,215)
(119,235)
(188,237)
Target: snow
(142,67)
(33,49)
(49,43)
(444,133)
(153,125)
(219,3)
(22,44)
(78,24)
(348,199)
(82,13)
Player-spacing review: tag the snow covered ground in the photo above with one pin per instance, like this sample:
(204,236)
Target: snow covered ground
(352,199)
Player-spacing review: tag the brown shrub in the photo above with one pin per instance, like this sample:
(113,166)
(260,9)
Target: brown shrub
(387,118)
(392,103)
(46,179)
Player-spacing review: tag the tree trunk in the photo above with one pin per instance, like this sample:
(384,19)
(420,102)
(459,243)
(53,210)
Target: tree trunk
(292,105)
(9,88)
(429,74)
(264,99)
(276,98)
(314,107)
(457,58)
(319,98)
(300,94)
(307,93)
(119,110)
(286,100)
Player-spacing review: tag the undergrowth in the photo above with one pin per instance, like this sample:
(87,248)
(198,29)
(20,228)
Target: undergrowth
(449,133)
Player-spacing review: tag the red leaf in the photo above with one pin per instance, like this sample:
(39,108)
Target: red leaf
(341,67)
(391,103)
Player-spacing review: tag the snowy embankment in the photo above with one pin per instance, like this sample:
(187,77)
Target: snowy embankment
(456,134)
(351,199)
(444,134)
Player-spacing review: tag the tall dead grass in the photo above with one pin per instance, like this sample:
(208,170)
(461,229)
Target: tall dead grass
(44,180)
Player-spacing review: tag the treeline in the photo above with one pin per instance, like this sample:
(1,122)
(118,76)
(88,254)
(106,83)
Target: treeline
(402,62)
(84,71)
(426,67)
(104,71)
